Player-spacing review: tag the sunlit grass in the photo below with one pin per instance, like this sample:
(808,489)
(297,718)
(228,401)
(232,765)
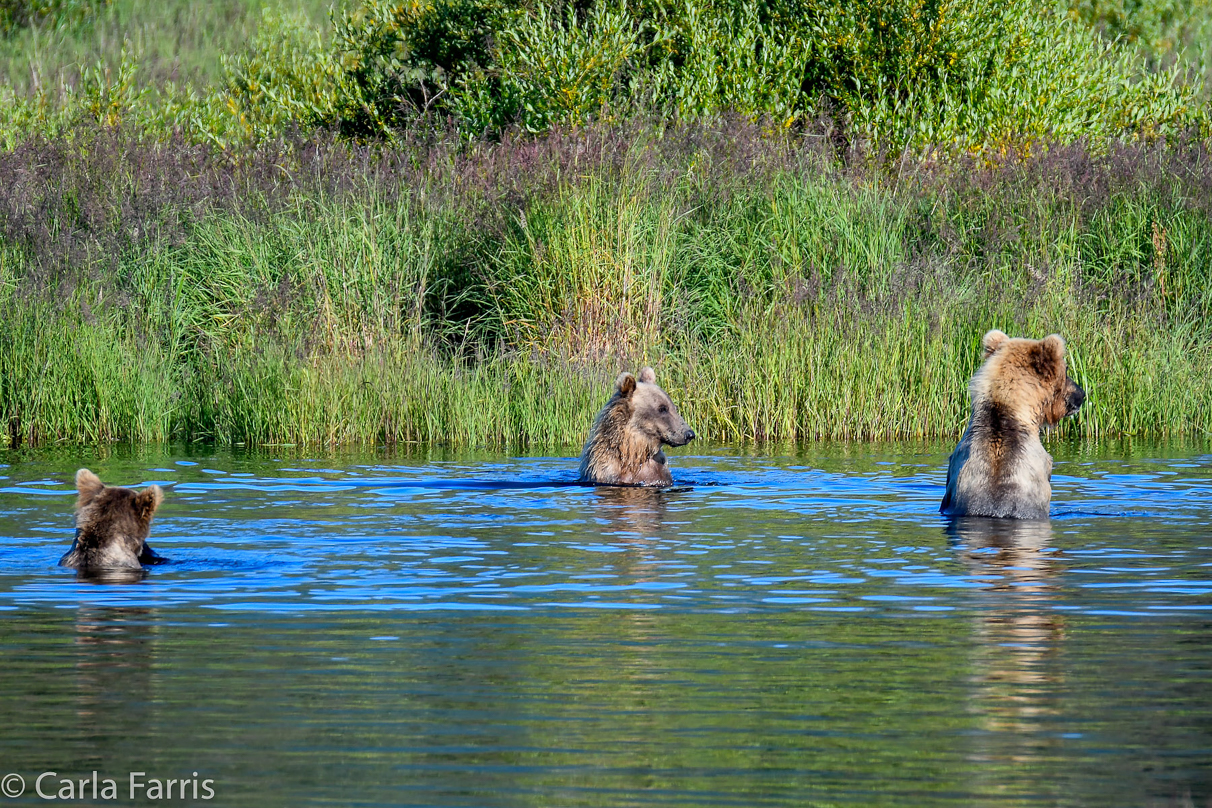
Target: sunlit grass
(173,40)
(783,300)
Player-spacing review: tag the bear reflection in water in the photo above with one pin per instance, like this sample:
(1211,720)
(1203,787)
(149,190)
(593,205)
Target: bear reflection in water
(115,660)
(1017,673)
(633,520)
(635,510)
(1005,553)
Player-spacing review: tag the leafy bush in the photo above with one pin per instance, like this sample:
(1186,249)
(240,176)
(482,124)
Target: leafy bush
(551,66)
(288,76)
(922,74)
(985,76)
(906,74)
(1166,33)
(1160,28)
(992,74)
(400,58)
(101,95)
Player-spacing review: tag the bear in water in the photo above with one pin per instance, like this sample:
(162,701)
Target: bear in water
(1000,467)
(112,525)
(624,446)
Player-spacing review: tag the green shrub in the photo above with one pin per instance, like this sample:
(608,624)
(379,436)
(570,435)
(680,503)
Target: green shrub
(551,66)
(100,96)
(923,74)
(985,76)
(733,57)
(917,74)
(287,76)
(1160,28)
(1009,74)
(401,58)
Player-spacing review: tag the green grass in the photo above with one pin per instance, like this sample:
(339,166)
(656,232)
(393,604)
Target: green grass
(778,379)
(489,299)
(173,40)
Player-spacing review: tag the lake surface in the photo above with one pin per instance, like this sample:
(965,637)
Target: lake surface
(788,626)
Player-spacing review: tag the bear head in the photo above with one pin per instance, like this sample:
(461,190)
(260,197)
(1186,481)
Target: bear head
(652,413)
(111,514)
(1026,378)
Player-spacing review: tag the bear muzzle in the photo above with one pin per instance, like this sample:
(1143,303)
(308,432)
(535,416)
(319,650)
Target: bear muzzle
(1074,398)
(681,438)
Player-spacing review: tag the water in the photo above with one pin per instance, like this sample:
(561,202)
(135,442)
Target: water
(791,627)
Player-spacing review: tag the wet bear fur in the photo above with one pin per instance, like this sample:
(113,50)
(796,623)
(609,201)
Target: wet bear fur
(624,446)
(112,525)
(1000,468)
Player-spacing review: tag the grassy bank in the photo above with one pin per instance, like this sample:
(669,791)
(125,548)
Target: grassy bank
(174,40)
(315,291)
(489,208)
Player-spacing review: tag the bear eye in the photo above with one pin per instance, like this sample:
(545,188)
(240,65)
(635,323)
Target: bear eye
(663,409)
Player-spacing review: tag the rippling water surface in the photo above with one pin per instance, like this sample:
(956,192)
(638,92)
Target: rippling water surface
(785,627)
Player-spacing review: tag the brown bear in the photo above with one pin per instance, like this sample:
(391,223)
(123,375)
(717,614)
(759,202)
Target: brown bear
(624,446)
(1000,467)
(112,525)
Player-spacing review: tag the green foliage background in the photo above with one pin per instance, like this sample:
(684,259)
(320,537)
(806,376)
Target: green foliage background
(806,212)
(315,293)
(922,75)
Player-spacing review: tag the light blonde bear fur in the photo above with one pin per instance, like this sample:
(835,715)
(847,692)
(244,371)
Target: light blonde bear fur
(1000,467)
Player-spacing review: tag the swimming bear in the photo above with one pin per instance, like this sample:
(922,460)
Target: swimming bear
(112,525)
(1000,467)
(624,445)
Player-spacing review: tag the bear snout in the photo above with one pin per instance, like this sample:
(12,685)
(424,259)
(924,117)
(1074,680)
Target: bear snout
(1075,399)
(680,438)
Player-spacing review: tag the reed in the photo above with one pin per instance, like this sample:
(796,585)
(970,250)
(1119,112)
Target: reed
(320,292)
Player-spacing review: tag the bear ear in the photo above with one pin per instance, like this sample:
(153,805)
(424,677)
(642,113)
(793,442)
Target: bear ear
(88,485)
(625,384)
(993,340)
(147,500)
(648,376)
(1054,345)
(1049,357)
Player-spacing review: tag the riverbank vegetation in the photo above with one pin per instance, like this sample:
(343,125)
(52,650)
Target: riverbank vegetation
(458,222)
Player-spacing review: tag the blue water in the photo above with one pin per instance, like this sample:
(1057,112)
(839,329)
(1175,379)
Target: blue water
(786,626)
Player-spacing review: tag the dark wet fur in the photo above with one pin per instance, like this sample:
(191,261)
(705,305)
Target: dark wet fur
(1005,438)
